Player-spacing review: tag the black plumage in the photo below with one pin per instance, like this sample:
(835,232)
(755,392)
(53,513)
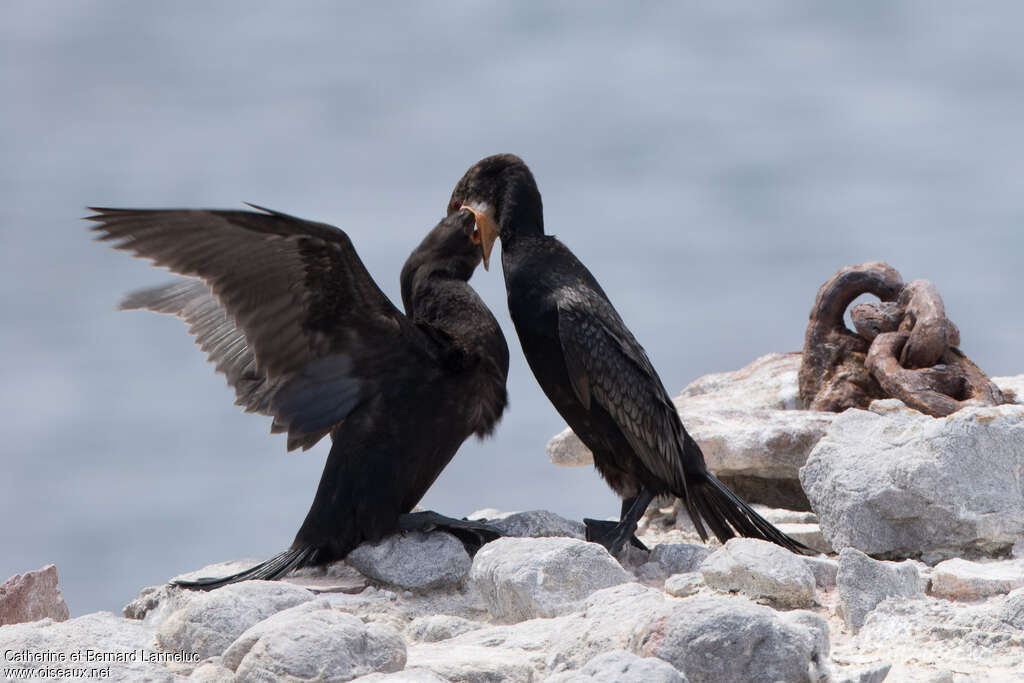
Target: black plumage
(286,310)
(592,368)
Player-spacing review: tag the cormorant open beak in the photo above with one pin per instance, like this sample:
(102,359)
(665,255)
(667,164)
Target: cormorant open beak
(486,231)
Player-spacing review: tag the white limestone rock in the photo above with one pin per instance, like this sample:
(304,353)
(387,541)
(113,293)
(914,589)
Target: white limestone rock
(618,618)
(620,666)
(759,569)
(684,585)
(211,621)
(523,578)
(465,661)
(825,571)
(903,484)
(101,633)
(864,583)
(870,674)
(312,641)
(156,603)
(983,642)
(678,558)
(566,450)
(211,671)
(435,627)
(712,639)
(32,596)
(809,534)
(407,675)
(749,422)
(414,561)
(539,523)
(959,579)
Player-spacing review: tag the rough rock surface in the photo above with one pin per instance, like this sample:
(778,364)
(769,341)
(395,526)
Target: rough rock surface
(709,639)
(659,617)
(1012,387)
(522,578)
(101,633)
(863,583)
(684,585)
(540,523)
(623,667)
(566,450)
(415,561)
(314,642)
(407,675)
(983,642)
(749,426)
(825,571)
(677,558)
(902,484)
(960,579)
(210,622)
(32,596)
(759,569)
(435,627)
(668,626)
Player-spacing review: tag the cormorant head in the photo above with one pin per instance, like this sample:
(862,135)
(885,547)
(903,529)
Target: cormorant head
(502,194)
(453,248)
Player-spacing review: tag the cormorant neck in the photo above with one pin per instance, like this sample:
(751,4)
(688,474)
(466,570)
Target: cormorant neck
(421,280)
(522,215)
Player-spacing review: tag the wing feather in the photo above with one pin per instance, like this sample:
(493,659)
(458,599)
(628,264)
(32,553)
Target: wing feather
(283,307)
(607,365)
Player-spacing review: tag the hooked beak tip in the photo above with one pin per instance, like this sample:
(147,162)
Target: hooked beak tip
(488,233)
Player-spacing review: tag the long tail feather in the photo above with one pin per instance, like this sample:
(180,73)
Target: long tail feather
(726,514)
(274,568)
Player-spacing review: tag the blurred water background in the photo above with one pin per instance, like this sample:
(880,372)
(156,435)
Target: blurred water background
(712,163)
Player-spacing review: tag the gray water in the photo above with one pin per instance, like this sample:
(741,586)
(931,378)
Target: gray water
(712,165)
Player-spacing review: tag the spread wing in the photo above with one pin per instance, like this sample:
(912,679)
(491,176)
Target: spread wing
(608,366)
(283,307)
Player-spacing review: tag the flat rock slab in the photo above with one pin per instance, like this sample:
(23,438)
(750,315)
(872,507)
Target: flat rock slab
(807,533)
(902,484)
(32,596)
(414,674)
(524,578)
(472,662)
(337,577)
(960,579)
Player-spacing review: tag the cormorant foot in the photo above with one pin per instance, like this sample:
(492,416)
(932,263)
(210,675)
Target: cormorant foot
(473,535)
(612,535)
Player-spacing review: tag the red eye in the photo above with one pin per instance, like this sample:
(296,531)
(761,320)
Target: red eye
(475,236)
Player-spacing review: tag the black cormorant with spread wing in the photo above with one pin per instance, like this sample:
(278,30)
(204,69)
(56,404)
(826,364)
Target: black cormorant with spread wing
(592,368)
(286,310)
